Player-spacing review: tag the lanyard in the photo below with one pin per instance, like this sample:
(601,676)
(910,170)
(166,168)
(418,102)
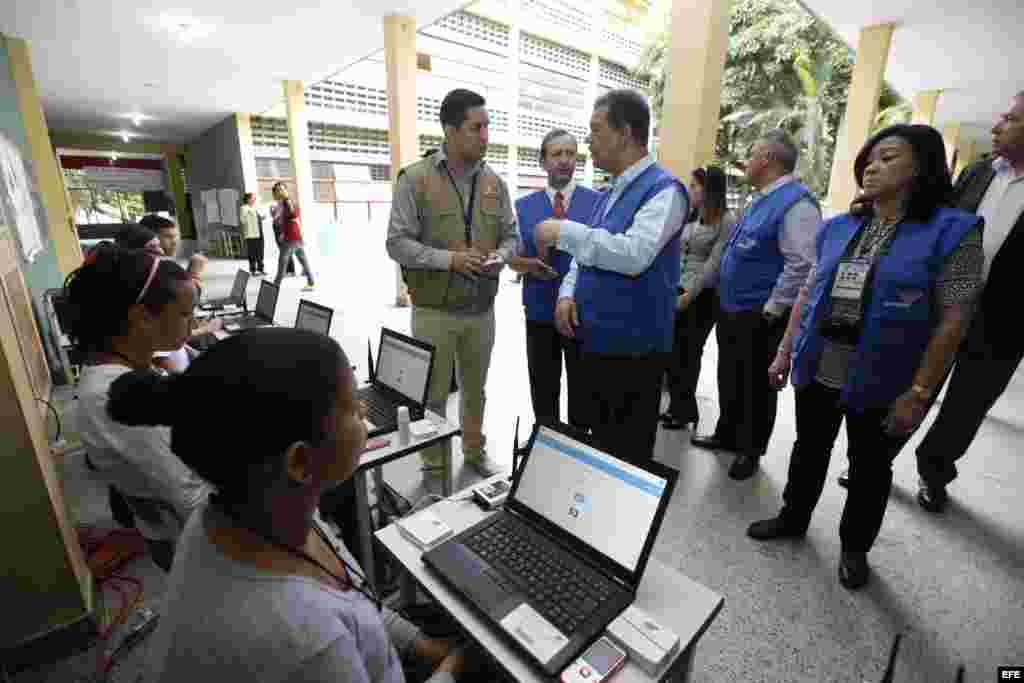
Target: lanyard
(467,211)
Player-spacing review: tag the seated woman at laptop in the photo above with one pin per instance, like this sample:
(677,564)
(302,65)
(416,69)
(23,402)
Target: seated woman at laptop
(261,589)
(124,305)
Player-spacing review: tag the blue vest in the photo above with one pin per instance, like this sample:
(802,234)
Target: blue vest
(630,315)
(752,261)
(899,316)
(540,296)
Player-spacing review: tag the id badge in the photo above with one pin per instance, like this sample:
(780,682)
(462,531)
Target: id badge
(851,279)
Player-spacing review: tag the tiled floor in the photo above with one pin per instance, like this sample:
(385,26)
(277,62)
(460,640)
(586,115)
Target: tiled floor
(952,584)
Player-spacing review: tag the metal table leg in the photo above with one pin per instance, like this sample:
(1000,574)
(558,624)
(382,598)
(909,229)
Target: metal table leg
(365,527)
(446,481)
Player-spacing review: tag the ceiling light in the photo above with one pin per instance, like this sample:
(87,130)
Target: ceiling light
(113,157)
(185,28)
(137,118)
(126,136)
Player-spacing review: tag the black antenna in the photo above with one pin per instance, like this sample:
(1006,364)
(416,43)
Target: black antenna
(369,361)
(890,669)
(516,452)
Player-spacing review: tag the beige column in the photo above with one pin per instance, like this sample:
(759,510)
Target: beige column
(694,92)
(924,107)
(298,147)
(512,92)
(951,136)
(243,123)
(967,153)
(176,186)
(861,108)
(400,61)
(48,175)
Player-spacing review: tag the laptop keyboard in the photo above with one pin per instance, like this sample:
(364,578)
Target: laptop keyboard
(558,587)
(379,411)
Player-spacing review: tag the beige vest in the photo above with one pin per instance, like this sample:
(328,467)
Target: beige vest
(444,228)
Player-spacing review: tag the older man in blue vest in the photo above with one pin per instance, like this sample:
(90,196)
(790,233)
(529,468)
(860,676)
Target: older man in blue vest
(763,266)
(544,273)
(618,298)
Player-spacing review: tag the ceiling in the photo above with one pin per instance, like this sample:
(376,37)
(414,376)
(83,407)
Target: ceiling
(972,50)
(186,65)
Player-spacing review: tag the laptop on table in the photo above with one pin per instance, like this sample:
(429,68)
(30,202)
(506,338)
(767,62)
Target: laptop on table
(313,317)
(236,298)
(262,316)
(401,377)
(566,554)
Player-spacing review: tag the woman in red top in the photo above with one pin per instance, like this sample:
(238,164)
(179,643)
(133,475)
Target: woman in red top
(291,237)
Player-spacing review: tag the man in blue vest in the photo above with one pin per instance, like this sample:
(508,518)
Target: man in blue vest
(618,297)
(544,274)
(763,266)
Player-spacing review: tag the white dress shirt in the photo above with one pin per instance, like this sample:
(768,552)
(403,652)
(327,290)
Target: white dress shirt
(1001,208)
(630,253)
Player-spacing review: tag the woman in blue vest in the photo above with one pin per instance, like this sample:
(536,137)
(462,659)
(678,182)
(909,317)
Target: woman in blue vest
(708,230)
(879,319)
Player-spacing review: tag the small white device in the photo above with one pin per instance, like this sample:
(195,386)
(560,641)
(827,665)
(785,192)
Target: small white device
(599,663)
(232,327)
(422,428)
(648,643)
(493,494)
(404,435)
(425,529)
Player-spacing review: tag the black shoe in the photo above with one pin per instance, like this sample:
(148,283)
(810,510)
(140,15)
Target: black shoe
(934,499)
(744,467)
(711,442)
(770,529)
(853,570)
(844,478)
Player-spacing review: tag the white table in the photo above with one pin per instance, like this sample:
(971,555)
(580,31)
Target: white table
(675,600)
(372,461)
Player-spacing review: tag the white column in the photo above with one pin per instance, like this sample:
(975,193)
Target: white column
(595,72)
(514,8)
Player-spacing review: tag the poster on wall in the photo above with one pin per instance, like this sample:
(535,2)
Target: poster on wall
(16,198)
(211,206)
(228,207)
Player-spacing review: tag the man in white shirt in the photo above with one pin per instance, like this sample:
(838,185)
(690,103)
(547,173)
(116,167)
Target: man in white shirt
(618,297)
(993,346)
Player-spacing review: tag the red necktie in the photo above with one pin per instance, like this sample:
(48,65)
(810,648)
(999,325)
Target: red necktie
(559,205)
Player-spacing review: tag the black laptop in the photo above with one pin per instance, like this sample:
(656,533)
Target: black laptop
(312,316)
(566,554)
(236,298)
(401,377)
(262,316)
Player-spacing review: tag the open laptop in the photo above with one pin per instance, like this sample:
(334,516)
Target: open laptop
(262,316)
(566,554)
(237,296)
(313,317)
(400,378)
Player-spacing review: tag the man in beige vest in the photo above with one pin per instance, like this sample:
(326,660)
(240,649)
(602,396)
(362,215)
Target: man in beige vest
(452,228)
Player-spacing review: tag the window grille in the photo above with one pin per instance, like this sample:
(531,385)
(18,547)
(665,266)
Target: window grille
(269,132)
(359,142)
(531,125)
(469,29)
(267,167)
(552,55)
(617,76)
(345,96)
(573,19)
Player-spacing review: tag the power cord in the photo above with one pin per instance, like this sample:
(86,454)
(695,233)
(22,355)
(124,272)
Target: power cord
(56,418)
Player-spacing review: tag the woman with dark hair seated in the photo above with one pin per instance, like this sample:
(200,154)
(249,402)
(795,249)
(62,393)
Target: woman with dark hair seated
(139,237)
(261,589)
(879,319)
(124,305)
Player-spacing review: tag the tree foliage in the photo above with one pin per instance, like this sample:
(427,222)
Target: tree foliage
(783,69)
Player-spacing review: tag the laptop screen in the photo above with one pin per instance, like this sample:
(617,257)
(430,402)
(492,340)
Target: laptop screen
(312,317)
(238,289)
(266,302)
(608,504)
(403,367)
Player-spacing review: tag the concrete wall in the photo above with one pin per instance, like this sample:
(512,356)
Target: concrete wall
(214,162)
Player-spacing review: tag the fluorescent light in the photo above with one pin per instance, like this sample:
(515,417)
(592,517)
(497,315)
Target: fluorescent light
(137,118)
(125,136)
(184,27)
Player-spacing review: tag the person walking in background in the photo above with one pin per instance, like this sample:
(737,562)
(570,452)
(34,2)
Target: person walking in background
(992,350)
(703,239)
(251,232)
(291,237)
(545,347)
(619,295)
(452,228)
(764,263)
(879,318)
(276,223)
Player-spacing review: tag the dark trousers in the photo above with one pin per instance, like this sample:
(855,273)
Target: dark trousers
(746,347)
(290,269)
(625,395)
(545,349)
(254,250)
(870,452)
(979,377)
(691,332)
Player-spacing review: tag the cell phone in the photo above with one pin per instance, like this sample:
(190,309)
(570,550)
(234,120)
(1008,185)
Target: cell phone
(599,663)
